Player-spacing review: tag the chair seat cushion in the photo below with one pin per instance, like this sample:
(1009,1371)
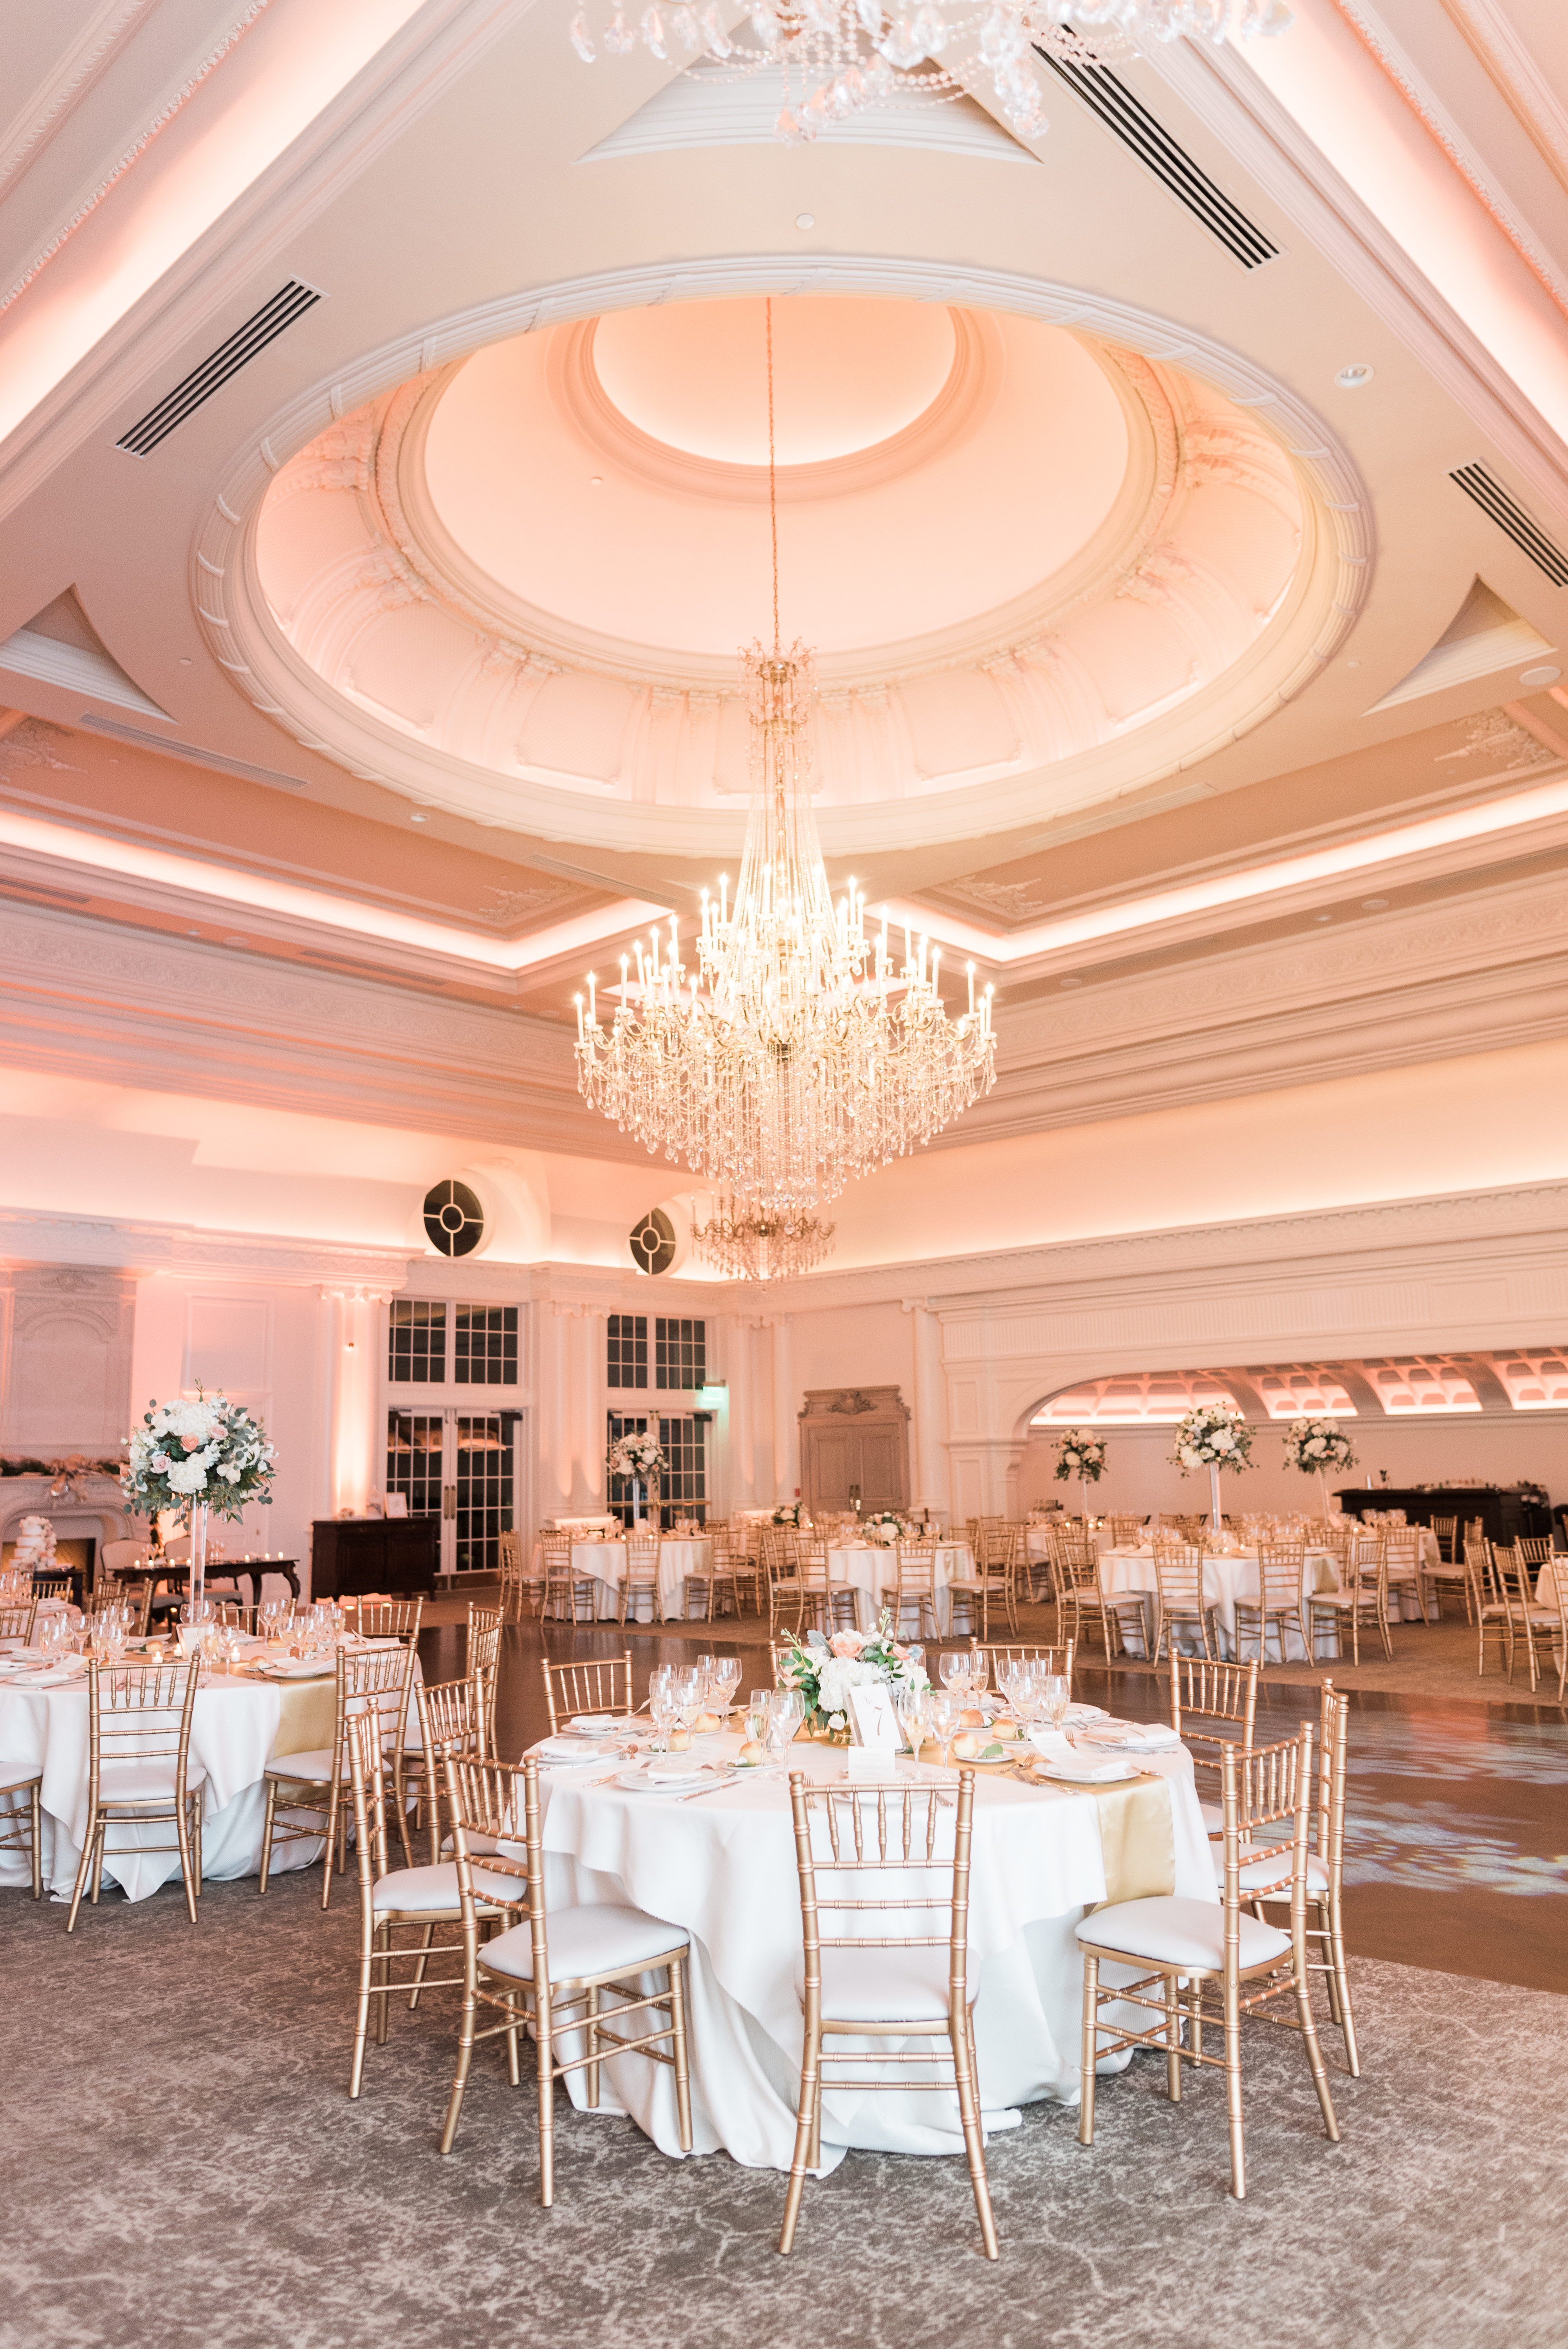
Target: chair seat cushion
(583,1942)
(887,1985)
(152,1781)
(1173,1931)
(1257,1873)
(317,1765)
(431,1891)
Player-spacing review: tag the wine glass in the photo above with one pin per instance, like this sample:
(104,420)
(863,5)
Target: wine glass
(786,1712)
(941,1714)
(913,1706)
(664,1706)
(956,1675)
(1055,1691)
(978,1673)
(690,1695)
(757,1704)
(724,1680)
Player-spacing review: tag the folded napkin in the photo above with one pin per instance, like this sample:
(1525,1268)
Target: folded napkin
(300,1668)
(566,1749)
(1149,1736)
(592,1724)
(1051,1742)
(1086,1771)
(57,1676)
(671,1769)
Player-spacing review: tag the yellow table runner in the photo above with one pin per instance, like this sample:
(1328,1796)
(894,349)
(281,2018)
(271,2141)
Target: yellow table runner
(1139,1839)
(309,1716)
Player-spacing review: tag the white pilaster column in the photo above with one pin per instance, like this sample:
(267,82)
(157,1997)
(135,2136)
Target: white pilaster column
(553,1399)
(355,1446)
(591,1485)
(928,1416)
(786,1426)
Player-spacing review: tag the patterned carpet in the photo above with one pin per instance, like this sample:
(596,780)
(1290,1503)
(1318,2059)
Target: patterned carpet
(185,2170)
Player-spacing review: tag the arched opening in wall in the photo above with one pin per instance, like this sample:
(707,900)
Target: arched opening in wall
(1478,1432)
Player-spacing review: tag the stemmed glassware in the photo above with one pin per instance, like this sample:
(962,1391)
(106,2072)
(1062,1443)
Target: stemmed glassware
(787,1711)
(722,1681)
(757,1704)
(691,1694)
(956,1675)
(1054,1691)
(942,1713)
(663,1705)
(913,1707)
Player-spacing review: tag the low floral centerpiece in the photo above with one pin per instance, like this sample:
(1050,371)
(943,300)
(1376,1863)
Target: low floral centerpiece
(638,1454)
(887,1526)
(826,1670)
(197,1454)
(1316,1446)
(1213,1437)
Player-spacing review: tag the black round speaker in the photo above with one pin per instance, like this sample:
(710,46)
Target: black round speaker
(454,1220)
(653,1242)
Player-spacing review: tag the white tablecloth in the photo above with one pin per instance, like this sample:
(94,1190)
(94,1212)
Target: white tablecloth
(868,1569)
(603,1565)
(724,1868)
(1227,1577)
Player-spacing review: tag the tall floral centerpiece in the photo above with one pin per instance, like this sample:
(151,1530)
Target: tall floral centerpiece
(1080,1454)
(826,1670)
(198,1455)
(1316,1446)
(638,1456)
(1214,1436)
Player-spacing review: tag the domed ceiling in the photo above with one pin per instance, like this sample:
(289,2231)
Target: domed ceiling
(516,586)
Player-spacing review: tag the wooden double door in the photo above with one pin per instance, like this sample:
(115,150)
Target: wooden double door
(855,1446)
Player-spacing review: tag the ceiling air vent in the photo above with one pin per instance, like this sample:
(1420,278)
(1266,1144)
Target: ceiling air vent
(1478,483)
(1126,117)
(289,303)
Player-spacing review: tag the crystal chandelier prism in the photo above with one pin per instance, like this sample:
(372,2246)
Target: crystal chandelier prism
(797,1055)
(746,1242)
(837,57)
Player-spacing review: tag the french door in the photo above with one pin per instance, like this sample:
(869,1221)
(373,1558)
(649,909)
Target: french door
(461,1465)
(683,1439)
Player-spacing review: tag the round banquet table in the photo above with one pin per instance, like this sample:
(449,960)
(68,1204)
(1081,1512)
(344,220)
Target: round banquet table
(1228,1576)
(868,1569)
(724,1868)
(238,1726)
(603,1565)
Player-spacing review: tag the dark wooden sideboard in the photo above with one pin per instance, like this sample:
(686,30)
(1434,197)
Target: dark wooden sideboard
(1504,1514)
(350,1556)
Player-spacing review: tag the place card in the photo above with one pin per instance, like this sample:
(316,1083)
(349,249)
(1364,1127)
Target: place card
(872,1719)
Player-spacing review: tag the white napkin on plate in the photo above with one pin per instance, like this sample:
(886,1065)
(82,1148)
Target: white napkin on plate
(566,1749)
(1053,1742)
(671,1769)
(592,1724)
(1087,1770)
(1149,1736)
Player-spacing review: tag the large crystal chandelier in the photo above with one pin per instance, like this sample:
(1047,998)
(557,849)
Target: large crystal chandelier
(835,58)
(799,1053)
(748,1242)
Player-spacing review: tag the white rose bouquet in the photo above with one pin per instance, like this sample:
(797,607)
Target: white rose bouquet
(789,1513)
(206,1453)
(887,1526)
(1215,1435)
(824,1670)
(1317,1443)
(1079,1453)
(635,1455)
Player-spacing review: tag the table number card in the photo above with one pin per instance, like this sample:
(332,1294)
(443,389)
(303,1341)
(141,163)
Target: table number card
(872,1719)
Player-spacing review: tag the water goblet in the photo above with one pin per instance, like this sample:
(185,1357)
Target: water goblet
(1056,1691)
(785,1713)
(912,1705)
(978,1673)
(956,1675)
(941,1714)
(757,1704)
(664,1705)
(725,1680)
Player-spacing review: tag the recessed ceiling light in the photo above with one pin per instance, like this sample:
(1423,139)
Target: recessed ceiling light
(1374,904)
(1536,678)
(417,817)
(192,934)
(1069,982)
(596,481)
(1352,377)
(237,942)
(1323,917)
(806,219)
(184,660)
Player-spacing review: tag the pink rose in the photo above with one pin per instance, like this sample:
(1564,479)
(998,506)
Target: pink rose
(191,1443)
(848,1644)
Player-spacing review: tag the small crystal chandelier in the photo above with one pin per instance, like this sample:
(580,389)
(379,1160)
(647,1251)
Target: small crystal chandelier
(798,1055)
(837,57)
(746,1242)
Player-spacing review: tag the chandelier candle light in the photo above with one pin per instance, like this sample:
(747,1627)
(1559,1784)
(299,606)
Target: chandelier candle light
(799,1054)
(1214,1436)
(837,57)
(752,1243)
(1315,1445)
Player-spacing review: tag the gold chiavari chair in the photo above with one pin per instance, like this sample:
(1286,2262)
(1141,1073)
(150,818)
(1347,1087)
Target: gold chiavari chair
(1178,1597)
(998,1567)
(914,1585)
(1553,1621)
(458,1713)
(1124,1529)
(1516,1579)
(140,1771)
(547,1976)
(833,1605)
(234,1615)
(779,1551)
(1057,1659)
(1324,1873)
(407,1898)
(1445,1534)
(642,1554)
(1490,1613)
(746,1563)
(1204,1964)
(720,1585)
(518,1582)
(596,1684)
(1403,1564)
(1534,1548)
(1360,1602)
(372,1680)
(1278,1609)
(388,1619)
(1221,1694)
(1081,1593)
(566,1589)
(879,1844)
(17,1623)
(481,1656)
(21,1828)
(50,1585)
(1450,1572)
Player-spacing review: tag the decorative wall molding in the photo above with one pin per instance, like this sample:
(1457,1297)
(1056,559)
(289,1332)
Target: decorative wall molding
(50,107)
(141,1247)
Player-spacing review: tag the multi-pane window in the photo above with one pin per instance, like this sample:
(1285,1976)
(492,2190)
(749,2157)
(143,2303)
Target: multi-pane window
(416,1343)
(483,1495)
(683,1487)
(415,1442)
(680,1352)
(484,1346)
(627,1360)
